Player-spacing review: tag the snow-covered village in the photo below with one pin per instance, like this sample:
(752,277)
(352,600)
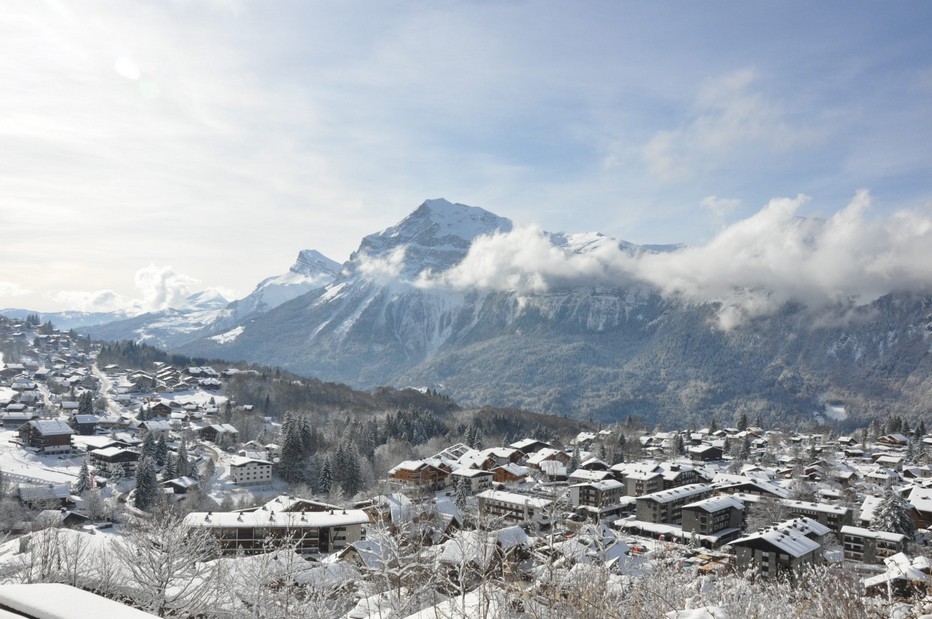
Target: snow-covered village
(153,489)
(465,310)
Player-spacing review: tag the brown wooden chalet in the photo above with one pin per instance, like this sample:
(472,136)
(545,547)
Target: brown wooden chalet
(218,433)
(84,424)
(160,410)
(510,474)
(48,436)
(419,474)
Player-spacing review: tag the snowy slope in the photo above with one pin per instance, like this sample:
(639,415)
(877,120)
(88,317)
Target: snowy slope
(311,270)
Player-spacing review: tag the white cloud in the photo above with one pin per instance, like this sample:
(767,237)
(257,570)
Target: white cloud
(527,261)
(161,288)
(13,289)
(158,288)
(720,207)
(89,301)
(729,116)
(751,268)
(382,270)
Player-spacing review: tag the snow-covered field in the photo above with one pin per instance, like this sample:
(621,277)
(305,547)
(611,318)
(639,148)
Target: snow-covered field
(229,336)
(26,467)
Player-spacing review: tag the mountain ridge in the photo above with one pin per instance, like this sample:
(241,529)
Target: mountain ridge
(604,348)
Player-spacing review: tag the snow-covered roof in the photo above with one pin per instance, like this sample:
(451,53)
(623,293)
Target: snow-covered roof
(408,465)
(514,469)
(921,498)
(51,427)
(680,492)
(514,498)
(881,535)
(900,567)
(263,518)
(547,453)
(868,506)
(58,601)
(110,452)
(817,507)
(241,461)
(787,541)
(603,484)
(716,503)
(806,526)
(472,473)
(587,475)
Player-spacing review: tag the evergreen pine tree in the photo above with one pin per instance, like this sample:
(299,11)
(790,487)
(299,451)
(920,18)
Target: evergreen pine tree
(84,480)
(462,493)
(892,514)
(680,445)
(325,482)
(308,442)
(161,451)
(574,460)
(742,422)
(350,479)
(182,465)
(147,487)
(228,412)
(339,463)
(171,467)
(148,446)
(117,475)
(873,431)
(86,404)
(292,452)
(310,472)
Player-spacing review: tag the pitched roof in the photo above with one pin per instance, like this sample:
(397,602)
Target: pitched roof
(789,542)
(51,427)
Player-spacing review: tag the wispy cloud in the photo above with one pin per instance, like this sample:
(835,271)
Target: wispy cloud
(90,300)
(729,115)
(13,289)
(720,207)
(157,288)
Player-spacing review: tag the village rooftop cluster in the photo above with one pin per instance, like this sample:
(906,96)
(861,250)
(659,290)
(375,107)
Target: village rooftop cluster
(487,523)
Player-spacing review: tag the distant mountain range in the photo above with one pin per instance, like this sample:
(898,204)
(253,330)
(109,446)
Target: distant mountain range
(401,312)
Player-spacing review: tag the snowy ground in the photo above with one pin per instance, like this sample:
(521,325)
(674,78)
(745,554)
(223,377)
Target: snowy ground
(26,467)
(223,486)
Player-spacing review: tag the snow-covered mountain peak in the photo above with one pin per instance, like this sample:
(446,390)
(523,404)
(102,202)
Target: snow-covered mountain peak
(445,219)
(208,299)
(310,271)
(437,235)
(312,263)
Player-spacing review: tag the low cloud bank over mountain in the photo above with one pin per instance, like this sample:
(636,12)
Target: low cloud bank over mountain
(751,267)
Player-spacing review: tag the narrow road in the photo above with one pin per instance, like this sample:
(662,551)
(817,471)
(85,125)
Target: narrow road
(106,390)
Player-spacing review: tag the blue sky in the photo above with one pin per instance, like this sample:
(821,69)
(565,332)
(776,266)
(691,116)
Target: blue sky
(221,137)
